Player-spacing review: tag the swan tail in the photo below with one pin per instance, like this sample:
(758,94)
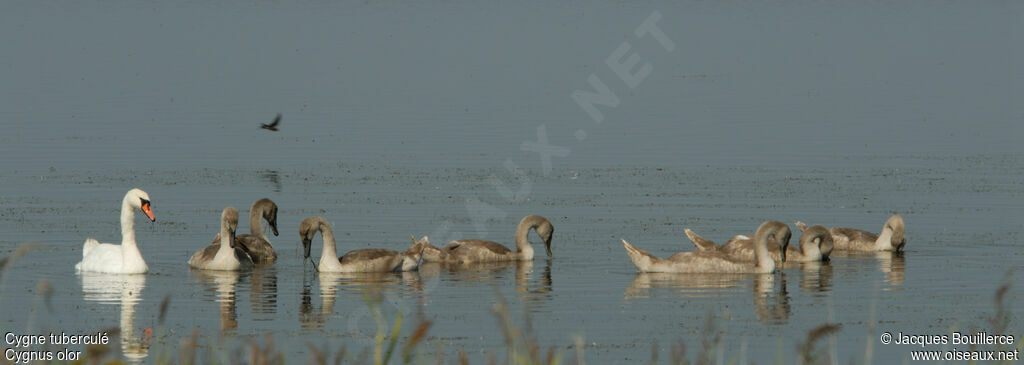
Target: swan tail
(702,243)
(90,244)
(418,246)
(801,225)
(641,259)
(431,253)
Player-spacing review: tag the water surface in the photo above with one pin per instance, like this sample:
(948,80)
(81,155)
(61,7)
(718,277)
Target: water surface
(410,119)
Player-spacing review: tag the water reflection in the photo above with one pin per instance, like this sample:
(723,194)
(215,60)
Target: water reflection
(770,306)
(891,264)
(274,179)
(223,284)
(372,286)
(263,295)
(533,296)
(815,276)
(125,290)
(688,285)
(534,292)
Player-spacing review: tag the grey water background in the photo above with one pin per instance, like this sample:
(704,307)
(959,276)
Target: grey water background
(400,118)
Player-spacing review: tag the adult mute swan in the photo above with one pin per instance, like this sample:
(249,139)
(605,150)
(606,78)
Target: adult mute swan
(124,258)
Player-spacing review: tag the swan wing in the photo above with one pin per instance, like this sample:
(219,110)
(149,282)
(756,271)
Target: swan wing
(493,247)
(256,247)
(702,243)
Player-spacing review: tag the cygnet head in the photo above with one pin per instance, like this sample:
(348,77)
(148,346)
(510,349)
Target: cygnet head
(308,229)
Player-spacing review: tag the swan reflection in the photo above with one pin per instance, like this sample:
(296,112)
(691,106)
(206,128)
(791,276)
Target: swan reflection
(891,264)
(687,285)
(815,276)
(770,306)
(125,290)
(361,284)
(263,289)
(223,284)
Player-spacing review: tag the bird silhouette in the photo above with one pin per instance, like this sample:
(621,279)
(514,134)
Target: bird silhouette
(272,126)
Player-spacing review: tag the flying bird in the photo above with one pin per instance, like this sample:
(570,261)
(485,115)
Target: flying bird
(272,126)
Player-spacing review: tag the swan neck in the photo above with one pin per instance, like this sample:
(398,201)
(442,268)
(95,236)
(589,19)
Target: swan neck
(256,223)
(884,240)
(225,237)
(764,259)
(329,251)
(127,223)
(522,239)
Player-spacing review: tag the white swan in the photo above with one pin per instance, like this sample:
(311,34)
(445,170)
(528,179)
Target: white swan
(892,237)
(473,250)
(256,243)
(713,261)
(227,255)
(365,260)
(124,258)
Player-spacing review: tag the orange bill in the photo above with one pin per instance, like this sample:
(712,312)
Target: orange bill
(149,211)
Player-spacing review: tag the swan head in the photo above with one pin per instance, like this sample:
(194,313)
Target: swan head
(783,240)
(229,220)
(308,229)
(139,199)
(269,209)
(818,238)
(545,230)
(899,238)
(411,256)
(774,232)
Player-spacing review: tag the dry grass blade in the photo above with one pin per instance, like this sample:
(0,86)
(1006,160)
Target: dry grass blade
(338,357)
(416,338)
(808,352)
(679,354)
(46,290)
(394,338)
(316,356)
(164,305)
(654,353)
(710,344)
(188,348)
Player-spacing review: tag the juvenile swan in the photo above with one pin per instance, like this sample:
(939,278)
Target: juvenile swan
(226,256)
(741,247)
(124,258)
(365,260)
(256,243)
(473,250)
(892,237)
(713,261)
(815,245)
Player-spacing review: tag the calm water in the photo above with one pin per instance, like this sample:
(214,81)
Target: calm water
(426,119)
